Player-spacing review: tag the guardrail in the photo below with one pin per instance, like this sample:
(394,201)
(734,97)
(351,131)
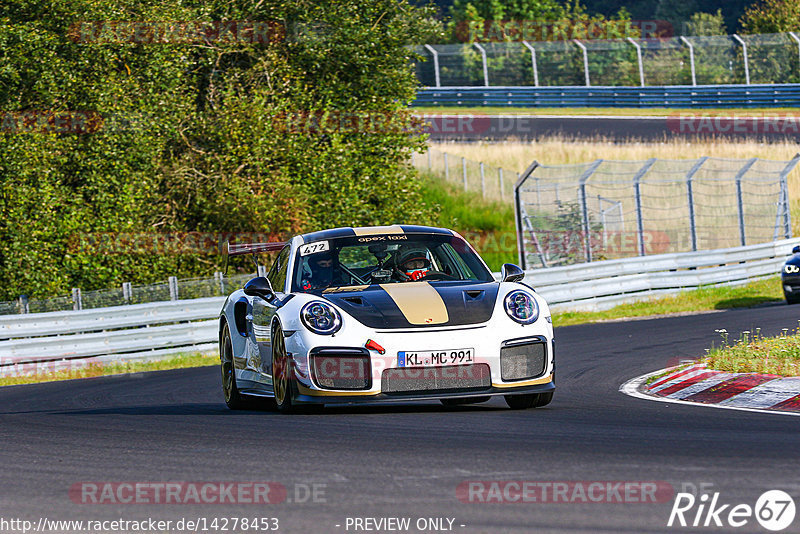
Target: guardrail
(56,340)
(593,287)
(51,341)
(665,96)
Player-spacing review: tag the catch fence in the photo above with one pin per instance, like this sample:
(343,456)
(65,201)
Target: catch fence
(492,182)
(683,60)
(173,289)
(606,209)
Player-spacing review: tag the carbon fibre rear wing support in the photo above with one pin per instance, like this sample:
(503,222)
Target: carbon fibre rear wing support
(229,250)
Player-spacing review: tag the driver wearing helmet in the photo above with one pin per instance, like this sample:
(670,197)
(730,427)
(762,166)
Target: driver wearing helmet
(322,272)
(412,263)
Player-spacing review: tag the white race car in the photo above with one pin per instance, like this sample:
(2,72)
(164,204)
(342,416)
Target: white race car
(384,314)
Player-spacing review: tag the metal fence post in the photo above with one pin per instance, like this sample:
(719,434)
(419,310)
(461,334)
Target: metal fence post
(690,195)
(740,201)
(261,271)
(218,277)
(485,64)
(585,61)
(24,306)
(787,216)
(637,179)
(446,167)
(429,158)
(500,179)
(464,171)
(518,222)
(483,182)
(533,62)
(127,292)
(587,242)
(639,57)
(173,288)
(746,62)
(691,58)
(435,55)
(77,300)
(797,39)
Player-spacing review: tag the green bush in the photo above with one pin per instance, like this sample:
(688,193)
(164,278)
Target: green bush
(196,136)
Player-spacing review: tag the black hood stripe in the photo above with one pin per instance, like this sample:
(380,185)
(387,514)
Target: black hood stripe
(465,304)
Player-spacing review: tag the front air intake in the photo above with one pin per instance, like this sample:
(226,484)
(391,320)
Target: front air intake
(346,369)
(523,361)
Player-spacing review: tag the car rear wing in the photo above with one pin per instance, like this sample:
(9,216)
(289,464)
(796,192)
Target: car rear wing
(229,250)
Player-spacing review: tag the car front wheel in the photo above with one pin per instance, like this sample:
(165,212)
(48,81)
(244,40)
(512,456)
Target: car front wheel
(281,372)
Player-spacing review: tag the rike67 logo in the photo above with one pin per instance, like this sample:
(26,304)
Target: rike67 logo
(774,510)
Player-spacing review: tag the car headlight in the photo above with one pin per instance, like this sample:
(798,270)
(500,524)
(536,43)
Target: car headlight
(321,318)
(521,307)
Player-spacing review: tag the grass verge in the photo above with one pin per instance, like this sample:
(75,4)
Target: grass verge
(180,361)
(616,112)
(763,291)
(753,353)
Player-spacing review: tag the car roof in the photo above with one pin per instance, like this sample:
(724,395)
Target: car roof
(372,230)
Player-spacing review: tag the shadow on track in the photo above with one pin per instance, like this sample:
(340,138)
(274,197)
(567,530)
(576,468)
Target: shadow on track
(221,410)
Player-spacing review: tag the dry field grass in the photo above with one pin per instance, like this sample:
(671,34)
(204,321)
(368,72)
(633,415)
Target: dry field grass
(517,155)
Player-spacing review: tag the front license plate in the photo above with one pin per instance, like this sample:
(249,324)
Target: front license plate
(426,358)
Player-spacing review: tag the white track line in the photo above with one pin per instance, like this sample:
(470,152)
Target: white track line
(631,388)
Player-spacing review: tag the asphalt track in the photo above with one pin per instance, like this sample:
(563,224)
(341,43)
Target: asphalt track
(407,461)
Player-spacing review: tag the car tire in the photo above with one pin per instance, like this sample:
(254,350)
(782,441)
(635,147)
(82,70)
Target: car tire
(467,400)
(533,400)
(282,384)
(230,392)
(791,299)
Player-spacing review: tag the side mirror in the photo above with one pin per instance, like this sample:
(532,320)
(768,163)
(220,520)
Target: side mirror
(259,287)
(511,273)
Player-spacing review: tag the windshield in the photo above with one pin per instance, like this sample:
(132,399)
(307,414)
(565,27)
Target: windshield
(385,259)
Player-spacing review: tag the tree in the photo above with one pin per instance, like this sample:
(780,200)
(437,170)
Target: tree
(481,10)
(706,24)
(296,133)
(772,16)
